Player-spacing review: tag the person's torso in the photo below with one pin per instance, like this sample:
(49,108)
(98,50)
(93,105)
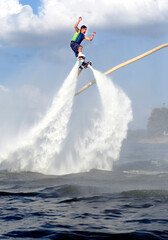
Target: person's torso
(78,37)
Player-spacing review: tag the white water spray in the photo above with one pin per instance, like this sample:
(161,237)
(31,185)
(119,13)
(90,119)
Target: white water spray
(46,139)
(45,149)
(101,145)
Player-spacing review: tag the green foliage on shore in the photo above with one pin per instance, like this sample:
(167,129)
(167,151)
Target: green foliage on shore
(158,122)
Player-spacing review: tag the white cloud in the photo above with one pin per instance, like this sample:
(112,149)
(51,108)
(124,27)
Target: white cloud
(19,25)
(4,89)
(9,7)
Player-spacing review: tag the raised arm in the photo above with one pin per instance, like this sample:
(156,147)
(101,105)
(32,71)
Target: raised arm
(90,38)
(76,24)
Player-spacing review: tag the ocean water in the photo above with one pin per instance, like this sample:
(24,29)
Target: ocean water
(129,202)
(94,185)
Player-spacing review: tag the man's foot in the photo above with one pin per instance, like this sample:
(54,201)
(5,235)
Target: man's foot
(81,56)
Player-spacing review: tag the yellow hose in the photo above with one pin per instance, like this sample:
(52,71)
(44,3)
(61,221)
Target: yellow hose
(122,65)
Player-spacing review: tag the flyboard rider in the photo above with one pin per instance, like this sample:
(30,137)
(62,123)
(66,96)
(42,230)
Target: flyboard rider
(78,37)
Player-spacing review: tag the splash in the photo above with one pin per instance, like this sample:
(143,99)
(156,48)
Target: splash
(101,145)
(46,139)
(45,149)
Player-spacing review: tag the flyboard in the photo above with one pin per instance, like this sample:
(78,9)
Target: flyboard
(121,65)
(83,64)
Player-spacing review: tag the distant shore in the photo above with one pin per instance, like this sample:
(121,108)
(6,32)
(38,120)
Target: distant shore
(156,140)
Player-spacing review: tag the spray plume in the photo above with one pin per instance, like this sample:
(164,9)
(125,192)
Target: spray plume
(101,145)
(45,140)
(45,149)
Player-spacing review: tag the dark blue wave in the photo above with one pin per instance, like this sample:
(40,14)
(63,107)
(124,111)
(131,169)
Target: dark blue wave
(106,206)
(20,194)
(77,235)
(74,193)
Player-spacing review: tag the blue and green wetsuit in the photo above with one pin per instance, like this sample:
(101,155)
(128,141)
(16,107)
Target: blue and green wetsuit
(76,41)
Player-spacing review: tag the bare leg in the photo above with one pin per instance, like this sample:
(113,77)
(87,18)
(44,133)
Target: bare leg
(80,54)
(80,49)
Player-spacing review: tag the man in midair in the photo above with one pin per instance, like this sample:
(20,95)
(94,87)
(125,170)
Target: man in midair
(78,37)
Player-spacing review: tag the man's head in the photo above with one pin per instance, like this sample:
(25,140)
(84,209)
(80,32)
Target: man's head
(83,29)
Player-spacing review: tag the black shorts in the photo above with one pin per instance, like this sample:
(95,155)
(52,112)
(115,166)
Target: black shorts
(75,46)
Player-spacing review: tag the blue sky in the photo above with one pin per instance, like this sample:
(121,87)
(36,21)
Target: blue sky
(34,4)
(35,56)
